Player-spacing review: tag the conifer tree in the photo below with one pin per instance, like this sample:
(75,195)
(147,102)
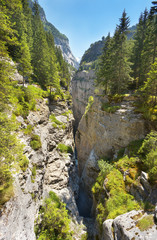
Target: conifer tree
(40,49)
(28,19)
(25,67)
(138,48)
(120,63)
(104,73)
(53,76)
(149,52)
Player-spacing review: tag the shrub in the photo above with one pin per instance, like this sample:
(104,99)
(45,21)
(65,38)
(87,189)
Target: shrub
(34,173)
(89,105)
(54,119)
(28,130)
(126,163)
(109,108)
(148,155)
(64,148)
(54,220)
(35,142)
(24,162)
(145,223)
(24,99)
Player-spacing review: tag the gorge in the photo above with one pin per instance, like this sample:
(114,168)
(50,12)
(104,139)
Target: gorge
(78,144)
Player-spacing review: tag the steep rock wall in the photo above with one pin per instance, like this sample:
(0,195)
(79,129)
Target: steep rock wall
(82,89)
(55,171)
(102,134)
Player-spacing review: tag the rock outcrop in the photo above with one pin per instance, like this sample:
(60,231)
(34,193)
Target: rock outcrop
(55,171)
(105,133)
(82,89)
(126,227)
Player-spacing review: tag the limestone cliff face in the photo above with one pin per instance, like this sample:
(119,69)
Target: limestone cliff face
(52,173)
(102,134)
(82,89)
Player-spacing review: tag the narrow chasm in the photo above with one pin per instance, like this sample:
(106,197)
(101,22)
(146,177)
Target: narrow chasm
(84,203)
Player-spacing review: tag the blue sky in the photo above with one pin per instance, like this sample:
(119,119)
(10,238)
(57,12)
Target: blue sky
(86,21)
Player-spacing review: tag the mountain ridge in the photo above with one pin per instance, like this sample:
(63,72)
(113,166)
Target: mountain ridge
(60,39)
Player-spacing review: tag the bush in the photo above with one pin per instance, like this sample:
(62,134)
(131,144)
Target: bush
(145,223)
(35,142)
(54,119)
(24,99)
(24,162)
(28,130)
(54,220)
(89,105)
(109,108)
(34,173)
(64,148)
(148,155)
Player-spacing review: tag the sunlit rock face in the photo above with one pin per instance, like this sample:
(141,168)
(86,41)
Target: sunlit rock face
(55,171)
(105,133)
(82,89)
(126,227)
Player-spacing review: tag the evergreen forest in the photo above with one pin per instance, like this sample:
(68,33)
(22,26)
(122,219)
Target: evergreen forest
(130,65)
(26,46)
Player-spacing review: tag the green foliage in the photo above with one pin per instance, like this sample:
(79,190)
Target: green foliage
(34,173)
(24,162)
(104,167)
(64,148)
(35,142)
(107,107)
(84,236)
(148,153)
(28,130)
(56,123)
(54,120)
(89,105)
(125,163)
(25,99)
(67,113)
(145,223)
(54,220)
(11,152)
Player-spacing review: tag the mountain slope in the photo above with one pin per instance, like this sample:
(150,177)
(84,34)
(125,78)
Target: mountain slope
(95,49)
(60,39)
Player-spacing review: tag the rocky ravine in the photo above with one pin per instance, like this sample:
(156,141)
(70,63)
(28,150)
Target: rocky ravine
(100,134)
(55,171)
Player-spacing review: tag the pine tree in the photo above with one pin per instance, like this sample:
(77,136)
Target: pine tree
(138,47)
(150,86)
(53,76)
(28,19)
(40,49)
(63,69)
(25,67)
(149,52)
(121,73)
(104,73)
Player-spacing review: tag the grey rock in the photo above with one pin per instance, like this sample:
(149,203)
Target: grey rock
(107,230)
(144,181)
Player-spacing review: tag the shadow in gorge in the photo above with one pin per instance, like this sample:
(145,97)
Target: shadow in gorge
(84,203)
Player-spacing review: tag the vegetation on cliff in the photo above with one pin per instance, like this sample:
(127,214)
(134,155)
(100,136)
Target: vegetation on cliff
(24,40)
(118,176)
(53,221)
